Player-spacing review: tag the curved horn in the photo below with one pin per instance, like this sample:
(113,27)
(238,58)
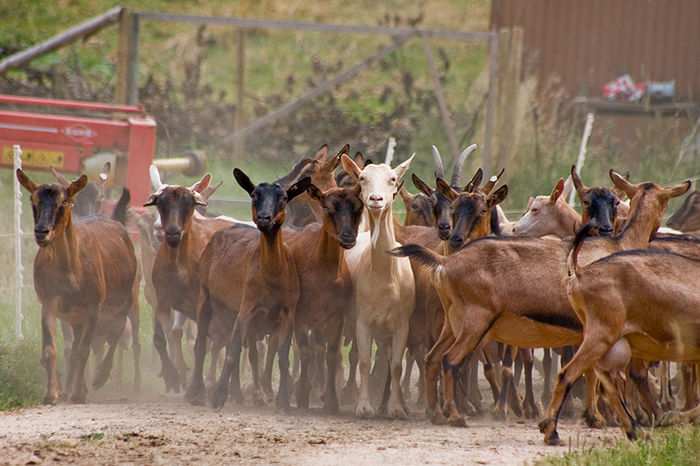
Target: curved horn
(439,171)
(456,172)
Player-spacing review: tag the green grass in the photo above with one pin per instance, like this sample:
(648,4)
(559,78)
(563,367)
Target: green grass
(21,375)
(677,446)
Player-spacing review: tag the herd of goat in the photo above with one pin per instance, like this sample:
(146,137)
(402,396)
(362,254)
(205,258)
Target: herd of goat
(325,260)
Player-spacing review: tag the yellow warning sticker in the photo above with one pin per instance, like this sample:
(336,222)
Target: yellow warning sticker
(35,157)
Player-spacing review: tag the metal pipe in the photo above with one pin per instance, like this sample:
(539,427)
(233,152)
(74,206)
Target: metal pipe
(85,29)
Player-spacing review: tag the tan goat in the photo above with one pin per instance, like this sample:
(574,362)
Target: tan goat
(384,293)
(641,303)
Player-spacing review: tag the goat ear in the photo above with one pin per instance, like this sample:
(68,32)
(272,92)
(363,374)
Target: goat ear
(498,196)
(680,189)
(62,180)
(24,180)
(209,190)
(76,186)
(315,193)
(397,191)
(322,153)
(578,184)
(529,203)
(335,161)
(298,188)
(243,180)
(568,186)
(422,186)
(358,159)
(624,185)
(486,189)
(104,174)
(405,195)
(202,184)
(475,181)
(156,182)
(151,201)
(446,190)
(350,166)
(401,169)
(557,191)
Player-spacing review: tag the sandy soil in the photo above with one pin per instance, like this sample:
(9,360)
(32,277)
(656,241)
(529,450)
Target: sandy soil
(165,430)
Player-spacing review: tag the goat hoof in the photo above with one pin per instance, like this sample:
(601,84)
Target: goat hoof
(218,398)
(437,418)
(397,413)
(593,420)
(457,421)
(100,379)
(532,412)
(499,415)
(364,411)
(50,399)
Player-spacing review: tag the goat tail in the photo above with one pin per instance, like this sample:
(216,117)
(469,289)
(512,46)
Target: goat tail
(572,261)
(120,210)
(419,253)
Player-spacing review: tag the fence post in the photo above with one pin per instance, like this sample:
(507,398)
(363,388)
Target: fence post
(121,84)
(19,279)
(238,120)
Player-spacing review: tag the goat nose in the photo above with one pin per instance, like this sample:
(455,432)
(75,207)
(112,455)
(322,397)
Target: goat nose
(376,197)
(41,230)
(605,230)
(264,217)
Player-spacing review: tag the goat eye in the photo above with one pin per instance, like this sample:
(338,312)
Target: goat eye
(534,211)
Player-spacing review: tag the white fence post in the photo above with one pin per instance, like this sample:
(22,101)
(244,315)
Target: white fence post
(391,145)
(19,279)
(582,151)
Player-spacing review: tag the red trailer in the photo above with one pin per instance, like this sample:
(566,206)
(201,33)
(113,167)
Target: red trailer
(64,133)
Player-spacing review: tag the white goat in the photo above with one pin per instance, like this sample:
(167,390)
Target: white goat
(384,292)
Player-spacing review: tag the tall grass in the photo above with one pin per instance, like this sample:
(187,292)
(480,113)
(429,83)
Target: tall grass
(677,446)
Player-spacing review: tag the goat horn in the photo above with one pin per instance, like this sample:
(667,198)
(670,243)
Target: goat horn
(156,182)
(439,171)
(456,172)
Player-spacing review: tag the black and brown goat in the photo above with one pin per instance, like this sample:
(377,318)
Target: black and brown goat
(252,278)
(84,273)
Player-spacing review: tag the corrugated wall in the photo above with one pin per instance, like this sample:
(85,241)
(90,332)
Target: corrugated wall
(589,42)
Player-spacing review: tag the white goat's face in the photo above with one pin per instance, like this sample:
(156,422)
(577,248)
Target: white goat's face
(378,183)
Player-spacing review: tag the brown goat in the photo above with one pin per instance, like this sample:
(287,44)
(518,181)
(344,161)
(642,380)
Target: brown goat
(84,273)
(326,286)
(250,277)
(508,289)
(176,266)
(643,304)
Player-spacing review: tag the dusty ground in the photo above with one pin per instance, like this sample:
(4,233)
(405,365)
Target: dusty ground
(159,429)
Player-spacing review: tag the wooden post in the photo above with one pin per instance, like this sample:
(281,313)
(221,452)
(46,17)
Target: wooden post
(238,120)
(509,121)
(121,85)
(440,97)
(492,99)
(133,61)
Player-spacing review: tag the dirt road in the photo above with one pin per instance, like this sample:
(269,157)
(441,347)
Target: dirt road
(165,430)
